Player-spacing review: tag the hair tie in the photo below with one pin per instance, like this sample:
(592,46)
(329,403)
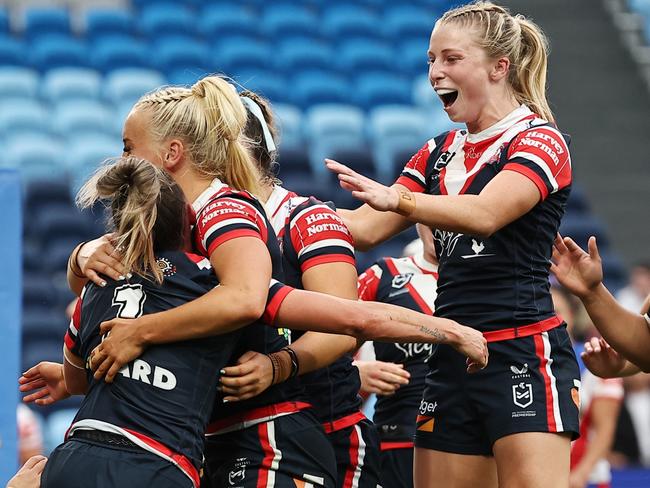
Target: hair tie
(257,112)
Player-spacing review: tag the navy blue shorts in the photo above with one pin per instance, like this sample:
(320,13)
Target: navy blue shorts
(357,455)
(531,384)
(397,468)
(286,452)
(86,464)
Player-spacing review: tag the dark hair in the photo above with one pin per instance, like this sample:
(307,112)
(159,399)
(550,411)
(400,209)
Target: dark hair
(265,159)
(148,211)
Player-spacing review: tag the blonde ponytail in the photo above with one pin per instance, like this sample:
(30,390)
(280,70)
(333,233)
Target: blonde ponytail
(210,119)
(519,39)
(133,187)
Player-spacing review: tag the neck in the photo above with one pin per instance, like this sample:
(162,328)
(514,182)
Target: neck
(266,188)
(495,110)
(191,184)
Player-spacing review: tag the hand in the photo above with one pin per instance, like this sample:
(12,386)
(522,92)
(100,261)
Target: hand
(380,377)
(473,345)
(252,375)
(29,476)
(577,271)
(100,256)
(122,345)
(601,359)
(47,379)
(378,196)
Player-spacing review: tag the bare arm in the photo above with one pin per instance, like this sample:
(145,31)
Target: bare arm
(74,373)
(91,258)
(370,227)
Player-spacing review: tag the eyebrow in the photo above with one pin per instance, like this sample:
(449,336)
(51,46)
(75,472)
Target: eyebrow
(446,50)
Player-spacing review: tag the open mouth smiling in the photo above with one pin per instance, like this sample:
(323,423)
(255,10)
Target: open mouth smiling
(447,95)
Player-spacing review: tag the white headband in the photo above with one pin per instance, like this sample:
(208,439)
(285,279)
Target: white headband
(257,112)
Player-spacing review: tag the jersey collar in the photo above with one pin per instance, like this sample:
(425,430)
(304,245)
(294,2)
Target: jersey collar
(423,264)
(278,197)
(215,186)
(501,126)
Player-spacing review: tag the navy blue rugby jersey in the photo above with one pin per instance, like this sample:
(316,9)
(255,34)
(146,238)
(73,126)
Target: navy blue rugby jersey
(411,283)
(163,399)
(501,281)
(310,234)
(223,214)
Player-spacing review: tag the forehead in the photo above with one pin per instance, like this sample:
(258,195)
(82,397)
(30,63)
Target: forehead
(135,124)
(453,36)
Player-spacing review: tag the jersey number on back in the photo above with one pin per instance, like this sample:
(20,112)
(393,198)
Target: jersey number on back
(130,299)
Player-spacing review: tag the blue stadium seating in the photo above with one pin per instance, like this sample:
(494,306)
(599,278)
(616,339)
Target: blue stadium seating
(267,83)
(22,115)
(372,89)
(174,53)
(35,155)
(108,22)
(243,55)
(37,293)
(284,20)
(407,21)
(119,52)
(359,56)
(413,58)
(56,52)
(295,54)
(166,19)
(18,82)
(581,227)
(350,21)
(46,21)
(224,21)
(4,20)
(12,52)
(128,85)
(43,193)
(314,87)
(65,84)
(81,117)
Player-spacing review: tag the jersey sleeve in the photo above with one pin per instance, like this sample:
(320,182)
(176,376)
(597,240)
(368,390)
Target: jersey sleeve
(368,283)
(609,388)
(227,218)
(72,340)
(542,155)
(413,174)
(277,293)
(319,236)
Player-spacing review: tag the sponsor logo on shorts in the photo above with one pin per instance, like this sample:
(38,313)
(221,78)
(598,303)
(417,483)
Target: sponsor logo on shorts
(522,394)
(427,408)
(519,372)
(425,423)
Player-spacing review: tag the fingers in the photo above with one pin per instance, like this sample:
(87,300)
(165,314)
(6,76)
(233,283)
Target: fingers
(35,462)
(32,385)
(112,371)
(392,378)
(238,382)
(239,371)
(593,248)
(35,396)
(571,245)
(559,243)
(381,387)
(95,278)
(106,327)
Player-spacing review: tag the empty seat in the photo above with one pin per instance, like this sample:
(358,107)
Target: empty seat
(72,118)
(104,21)
(243,55)
(581,227)
(288,20)
(311,88)
(359,56)
(128,85)
(85,156)
(46,192)
(56,52)
(37,292)
(23,115)
(289,121)
(36,155)
(225,21)
(413,59)
(168,19)
(118,52)
(4,20)
(373,89)
(174,53)
(45,21)
(61,223)
(298,54)
(12,52)
(350,21)
(17,82)
(61,84)
(404,21)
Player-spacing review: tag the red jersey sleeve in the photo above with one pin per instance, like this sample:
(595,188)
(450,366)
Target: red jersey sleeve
(413,174)
(226,218)
(71,338)
(368,283)
(542,155)
(277,293)
(319,236)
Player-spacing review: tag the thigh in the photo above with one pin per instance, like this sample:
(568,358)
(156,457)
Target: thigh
(533,460)
(284,453)
(433,469)
(356,449)
(77,464)
(397,468)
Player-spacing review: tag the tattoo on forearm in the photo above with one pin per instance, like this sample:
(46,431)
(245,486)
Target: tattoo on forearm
(435,333)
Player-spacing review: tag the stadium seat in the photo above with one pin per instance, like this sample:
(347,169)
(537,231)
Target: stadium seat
(12,52)
(58,422)
(36,155)
(119,52)
(46,192)
(64,84)
(168,19)
(18,115)
(581,227)
(82,116)
(314,87)
(185,76)
(225,21)
(232,57)
(413,59)
(267,83)
(85,156)
(60,223)
(47,349)
(290,122)
(58,51)
(578,202)
(174,54)
(284,20)
(17,82)
(37,293)
(298,54)
(404,21)
(4,20)
(373,89)
(359,56)
(350,21)
(46,21)
(126,86)
(395,130)
(104,21)
(614,272)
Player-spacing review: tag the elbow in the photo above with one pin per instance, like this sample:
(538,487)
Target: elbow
(251,310)
(361,325)
(484,227)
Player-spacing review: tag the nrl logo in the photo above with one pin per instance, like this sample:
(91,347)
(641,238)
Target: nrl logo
(401,280)
(522,394)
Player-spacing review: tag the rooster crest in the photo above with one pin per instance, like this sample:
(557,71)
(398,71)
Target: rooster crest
(477,247)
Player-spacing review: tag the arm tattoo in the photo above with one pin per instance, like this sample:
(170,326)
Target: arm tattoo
(435,333)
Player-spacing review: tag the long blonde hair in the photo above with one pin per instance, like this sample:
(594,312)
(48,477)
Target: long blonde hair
(148,211)
(210,119)
(514,36)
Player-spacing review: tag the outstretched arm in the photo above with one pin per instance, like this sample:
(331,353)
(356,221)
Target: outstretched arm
(581,273)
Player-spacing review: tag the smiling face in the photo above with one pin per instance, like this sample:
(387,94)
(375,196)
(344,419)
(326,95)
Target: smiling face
(472,86)
(138,140)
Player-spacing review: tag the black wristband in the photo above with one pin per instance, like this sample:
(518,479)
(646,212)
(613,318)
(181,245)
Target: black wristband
(295,364)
